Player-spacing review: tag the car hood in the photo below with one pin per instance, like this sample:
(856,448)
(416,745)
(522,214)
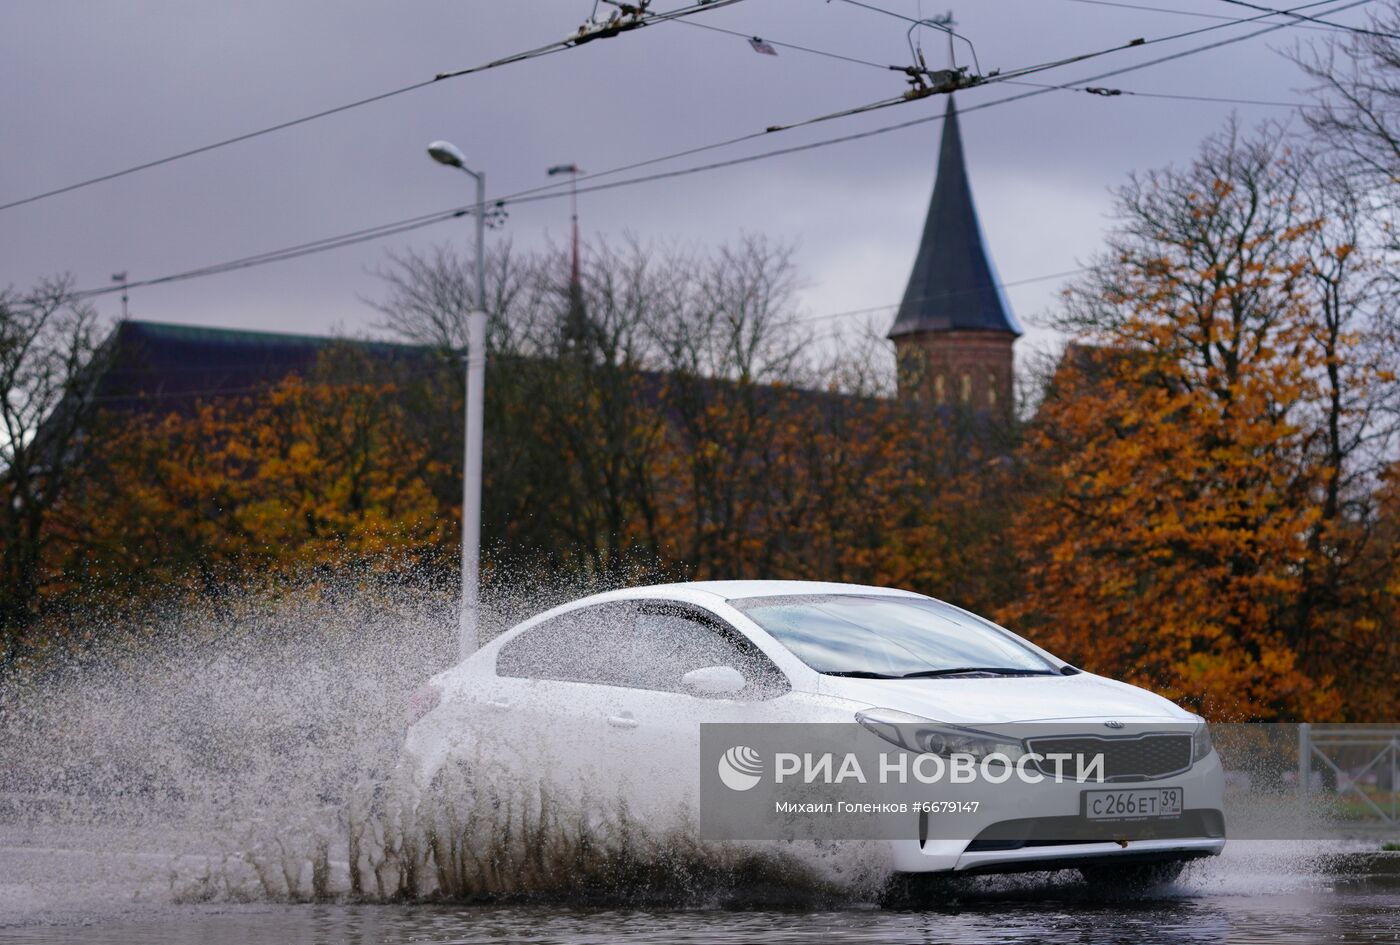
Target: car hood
(980,700)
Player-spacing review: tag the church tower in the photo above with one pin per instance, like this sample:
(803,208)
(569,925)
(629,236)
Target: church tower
(954,331)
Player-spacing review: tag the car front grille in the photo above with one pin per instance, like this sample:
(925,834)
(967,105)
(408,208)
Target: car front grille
(1126,758)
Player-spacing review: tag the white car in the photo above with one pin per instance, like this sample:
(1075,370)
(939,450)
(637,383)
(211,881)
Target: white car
(608,694)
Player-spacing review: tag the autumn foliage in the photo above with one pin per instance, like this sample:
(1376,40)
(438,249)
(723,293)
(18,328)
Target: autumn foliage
(305,474)
(1202,519)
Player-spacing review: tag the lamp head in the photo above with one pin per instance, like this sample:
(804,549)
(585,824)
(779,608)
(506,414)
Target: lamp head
(445,152)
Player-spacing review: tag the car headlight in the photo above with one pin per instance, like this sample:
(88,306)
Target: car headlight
(918,734)
(1200,741)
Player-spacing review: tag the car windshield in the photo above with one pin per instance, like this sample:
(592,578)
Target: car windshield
(890,637)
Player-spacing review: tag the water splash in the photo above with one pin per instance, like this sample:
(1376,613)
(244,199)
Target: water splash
(240,750)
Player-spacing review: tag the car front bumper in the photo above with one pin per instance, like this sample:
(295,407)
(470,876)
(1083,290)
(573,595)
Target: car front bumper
(1019,827)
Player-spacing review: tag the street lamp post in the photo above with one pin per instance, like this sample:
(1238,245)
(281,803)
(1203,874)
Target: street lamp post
(469,618)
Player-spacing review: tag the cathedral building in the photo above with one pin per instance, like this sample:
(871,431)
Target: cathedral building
(954,332)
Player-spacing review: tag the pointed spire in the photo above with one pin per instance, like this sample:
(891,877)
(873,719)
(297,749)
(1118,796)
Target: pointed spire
(953,286)
(576,319)
(577,327)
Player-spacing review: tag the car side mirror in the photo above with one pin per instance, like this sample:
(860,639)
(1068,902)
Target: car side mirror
(713,681)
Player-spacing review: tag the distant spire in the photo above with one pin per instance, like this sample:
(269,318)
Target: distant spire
(953,286)
(573,272)
(576,324)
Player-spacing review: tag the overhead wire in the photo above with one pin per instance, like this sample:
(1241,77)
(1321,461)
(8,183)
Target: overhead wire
(1005,76)
(729,142)
(1312,19)
(1194,13)
(558,46)
(541,192)
(878,9)
(673,16)
(202,149)
(946,294)
(340,241)
(549,192)
(639,17)
(1113,92)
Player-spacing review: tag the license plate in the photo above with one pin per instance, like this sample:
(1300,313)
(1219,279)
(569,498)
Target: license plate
(1133,804)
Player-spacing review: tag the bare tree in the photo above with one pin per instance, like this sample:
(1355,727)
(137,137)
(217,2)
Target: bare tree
(1207,238)
(596,384)
(48,346)
(590,400)
(430,294)
(1358,94)
(1355,331)
(729,343)
(731,315)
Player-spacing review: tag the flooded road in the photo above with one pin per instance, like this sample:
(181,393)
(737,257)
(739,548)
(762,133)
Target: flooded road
(221,794)
(1320,917)
(1248,895)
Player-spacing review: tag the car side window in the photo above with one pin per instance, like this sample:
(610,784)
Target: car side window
(672,640)
(580,646)
(637,646)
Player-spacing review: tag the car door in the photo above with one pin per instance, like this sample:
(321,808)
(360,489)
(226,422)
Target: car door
(559,680)
(656,748)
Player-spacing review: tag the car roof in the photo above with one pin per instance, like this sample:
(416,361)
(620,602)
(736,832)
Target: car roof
(736,590)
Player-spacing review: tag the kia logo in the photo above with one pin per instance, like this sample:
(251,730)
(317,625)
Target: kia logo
(1113,725)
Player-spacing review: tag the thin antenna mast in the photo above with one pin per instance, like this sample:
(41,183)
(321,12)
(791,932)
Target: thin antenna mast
(121,279)
(573,170)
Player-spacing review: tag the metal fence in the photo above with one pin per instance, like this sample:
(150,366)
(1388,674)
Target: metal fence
(1359,765)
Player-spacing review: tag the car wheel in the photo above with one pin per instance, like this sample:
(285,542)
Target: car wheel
(1133,877)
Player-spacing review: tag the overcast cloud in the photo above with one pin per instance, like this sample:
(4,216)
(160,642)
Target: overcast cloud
(93,85)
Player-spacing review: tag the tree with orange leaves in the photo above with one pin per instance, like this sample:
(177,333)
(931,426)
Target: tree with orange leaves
(311,472)
(1198,453)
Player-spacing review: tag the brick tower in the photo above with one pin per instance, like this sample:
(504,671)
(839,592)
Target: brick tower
(954,332)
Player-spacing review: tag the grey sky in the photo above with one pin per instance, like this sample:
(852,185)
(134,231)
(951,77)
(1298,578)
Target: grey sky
(93,85)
